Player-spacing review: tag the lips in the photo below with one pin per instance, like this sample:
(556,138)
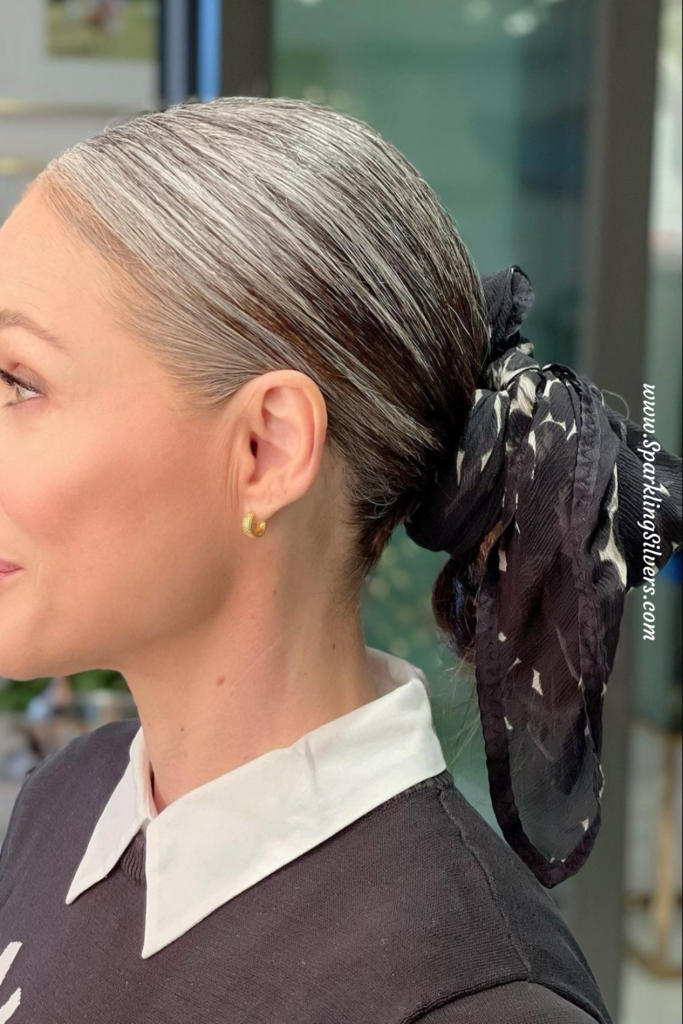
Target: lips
(8,566)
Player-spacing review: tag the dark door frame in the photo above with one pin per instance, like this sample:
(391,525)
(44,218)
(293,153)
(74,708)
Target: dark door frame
(247,31)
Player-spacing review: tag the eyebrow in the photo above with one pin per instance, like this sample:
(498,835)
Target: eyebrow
(15,318)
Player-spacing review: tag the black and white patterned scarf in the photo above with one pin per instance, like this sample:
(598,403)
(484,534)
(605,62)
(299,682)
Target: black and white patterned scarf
(585,505)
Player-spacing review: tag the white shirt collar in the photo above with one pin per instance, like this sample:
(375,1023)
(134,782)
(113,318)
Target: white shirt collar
(226,835)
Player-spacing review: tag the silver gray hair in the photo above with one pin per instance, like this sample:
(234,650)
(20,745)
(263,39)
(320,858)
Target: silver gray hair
(266,234)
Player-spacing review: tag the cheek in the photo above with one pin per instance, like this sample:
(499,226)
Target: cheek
(70,497)
(111,541)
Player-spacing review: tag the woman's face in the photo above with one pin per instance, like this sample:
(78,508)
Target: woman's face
(100,475)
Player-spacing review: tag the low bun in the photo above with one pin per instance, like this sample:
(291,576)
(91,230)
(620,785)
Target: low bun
(454,601)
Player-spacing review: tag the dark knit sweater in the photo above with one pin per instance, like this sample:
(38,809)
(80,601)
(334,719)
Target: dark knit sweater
(416,912)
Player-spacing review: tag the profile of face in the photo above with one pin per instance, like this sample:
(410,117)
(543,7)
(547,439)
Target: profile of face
(125,513)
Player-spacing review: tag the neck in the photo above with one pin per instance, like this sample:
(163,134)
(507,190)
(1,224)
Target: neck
(210,715)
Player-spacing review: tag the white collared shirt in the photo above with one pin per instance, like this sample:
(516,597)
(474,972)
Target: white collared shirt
(226,835)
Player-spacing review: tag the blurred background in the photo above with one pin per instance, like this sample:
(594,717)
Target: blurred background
(551,129)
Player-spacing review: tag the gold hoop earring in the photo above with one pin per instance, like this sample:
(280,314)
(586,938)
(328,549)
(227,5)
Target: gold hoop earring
(249,529)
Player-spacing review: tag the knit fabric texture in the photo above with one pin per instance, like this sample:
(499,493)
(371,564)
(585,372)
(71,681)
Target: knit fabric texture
(417,911)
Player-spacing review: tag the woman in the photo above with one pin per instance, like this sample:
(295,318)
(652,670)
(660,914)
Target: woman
(251,319)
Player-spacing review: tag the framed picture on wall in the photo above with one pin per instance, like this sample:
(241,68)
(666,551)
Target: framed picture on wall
(105,29)
(80,53)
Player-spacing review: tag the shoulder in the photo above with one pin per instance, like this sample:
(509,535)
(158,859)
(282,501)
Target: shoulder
(79,776)
(104,749)
(533,922)
(455,887)
(515,1003)
(112,737)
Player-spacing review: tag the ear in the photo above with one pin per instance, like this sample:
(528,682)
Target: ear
(285,429)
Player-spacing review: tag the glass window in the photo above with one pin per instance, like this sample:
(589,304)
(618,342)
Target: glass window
(489,100)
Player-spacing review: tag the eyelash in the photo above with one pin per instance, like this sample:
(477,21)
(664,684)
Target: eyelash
(15,382)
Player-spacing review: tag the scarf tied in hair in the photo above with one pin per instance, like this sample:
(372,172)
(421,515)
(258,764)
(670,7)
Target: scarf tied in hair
(580,505)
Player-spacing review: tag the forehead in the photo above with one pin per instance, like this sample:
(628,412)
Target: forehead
(45,270)
(34,238)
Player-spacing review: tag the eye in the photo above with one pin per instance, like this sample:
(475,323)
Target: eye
(14,382)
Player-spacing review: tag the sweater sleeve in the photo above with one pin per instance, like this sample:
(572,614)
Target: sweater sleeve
(519,1002)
